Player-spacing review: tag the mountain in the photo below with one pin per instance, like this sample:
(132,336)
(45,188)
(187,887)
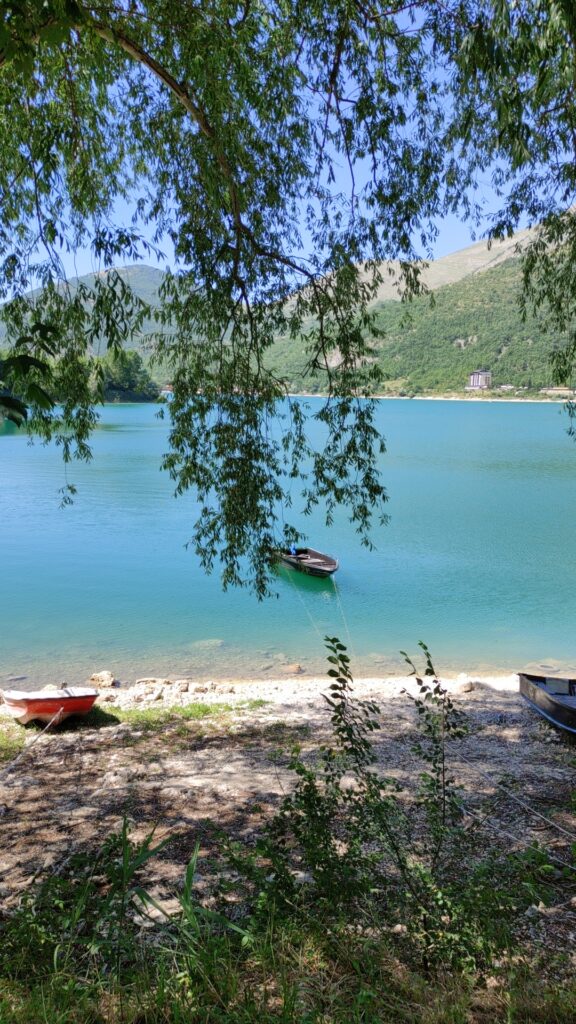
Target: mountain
(474,259)
(472,324)
(145,282)
(471,320)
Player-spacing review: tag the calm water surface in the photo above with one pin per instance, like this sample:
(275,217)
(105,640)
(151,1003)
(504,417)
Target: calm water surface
(478,560)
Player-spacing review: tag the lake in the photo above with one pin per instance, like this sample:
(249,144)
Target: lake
(478,560)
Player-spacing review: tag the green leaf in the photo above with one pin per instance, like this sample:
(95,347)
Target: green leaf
(37,396)
(13,409)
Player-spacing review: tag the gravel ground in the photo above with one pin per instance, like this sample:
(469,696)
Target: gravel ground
(191,779)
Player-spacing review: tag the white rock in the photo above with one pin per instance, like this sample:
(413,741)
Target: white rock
(82,812)
(466,687)
(302,877)
(158,912)
(104,678)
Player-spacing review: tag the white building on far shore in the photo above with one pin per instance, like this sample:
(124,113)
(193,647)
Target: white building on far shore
(479,380)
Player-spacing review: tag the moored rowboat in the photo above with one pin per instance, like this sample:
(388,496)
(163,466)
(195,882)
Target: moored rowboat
(307,560)
(553,698)
(44,705)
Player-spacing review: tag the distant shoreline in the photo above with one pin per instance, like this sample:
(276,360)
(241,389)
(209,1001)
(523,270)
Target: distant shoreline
(475,398)
(494,399)
(458,397)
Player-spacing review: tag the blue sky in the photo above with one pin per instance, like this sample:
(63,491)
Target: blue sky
(452,236)
(453,233)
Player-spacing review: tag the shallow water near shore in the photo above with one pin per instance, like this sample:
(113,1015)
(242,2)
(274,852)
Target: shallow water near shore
(478,559)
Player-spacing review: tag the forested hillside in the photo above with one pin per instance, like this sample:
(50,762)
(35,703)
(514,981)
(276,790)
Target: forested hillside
(474,323)
(429,345)
(143,280)
(432,343)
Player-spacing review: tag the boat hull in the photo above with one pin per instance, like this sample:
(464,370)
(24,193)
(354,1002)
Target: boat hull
(310,562)
(44,707)
(557,708)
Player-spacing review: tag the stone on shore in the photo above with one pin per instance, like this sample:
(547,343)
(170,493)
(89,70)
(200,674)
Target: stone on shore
(152,690)
(182,685)
(104,678)
(465,687)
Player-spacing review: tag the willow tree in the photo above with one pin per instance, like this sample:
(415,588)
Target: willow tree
(513,89)
(284,149)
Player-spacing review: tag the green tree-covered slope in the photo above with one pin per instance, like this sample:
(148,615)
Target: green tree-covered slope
(126,379)
(429,345)
(472,324)
(434,342)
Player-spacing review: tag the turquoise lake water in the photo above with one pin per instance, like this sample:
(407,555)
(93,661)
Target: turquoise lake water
(478,560)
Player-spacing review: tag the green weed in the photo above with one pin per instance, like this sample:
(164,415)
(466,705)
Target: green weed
(12,740)
(350,908)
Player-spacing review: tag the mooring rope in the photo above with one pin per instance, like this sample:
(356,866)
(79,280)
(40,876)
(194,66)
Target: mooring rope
(485,823)
(343,616)
(518,800)
(304,605)
(500,785)
(53,721)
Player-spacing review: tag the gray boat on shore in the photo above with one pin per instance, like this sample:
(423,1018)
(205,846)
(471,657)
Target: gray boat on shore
(553,698)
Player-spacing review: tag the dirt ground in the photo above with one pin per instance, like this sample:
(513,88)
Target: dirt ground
(191,780)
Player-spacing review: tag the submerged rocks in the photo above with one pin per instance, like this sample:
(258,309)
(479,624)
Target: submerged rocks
(293,670)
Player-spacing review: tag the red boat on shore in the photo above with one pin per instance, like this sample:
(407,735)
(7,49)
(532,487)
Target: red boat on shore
(45,705)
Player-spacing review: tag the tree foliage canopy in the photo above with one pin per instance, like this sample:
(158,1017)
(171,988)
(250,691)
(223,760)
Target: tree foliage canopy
(124,377)
(282,149)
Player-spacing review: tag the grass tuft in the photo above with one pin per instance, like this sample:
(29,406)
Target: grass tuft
(12,740)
